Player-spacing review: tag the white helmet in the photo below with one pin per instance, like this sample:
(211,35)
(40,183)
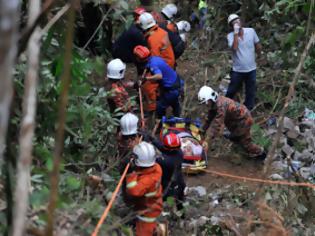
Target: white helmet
(170,10)
(232,17)
(183,37)
(129,124)
(183,26)
(206,93)
(146,21)
(145,154)
(116,69)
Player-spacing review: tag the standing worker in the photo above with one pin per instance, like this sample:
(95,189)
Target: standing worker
(168,14)
(144,185)
(244,42)
(119,97)
(203,10)
(157,39)
(170,83)
(133,36)
(223,111)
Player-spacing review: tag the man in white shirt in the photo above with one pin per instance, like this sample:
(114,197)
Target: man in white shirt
(244,43)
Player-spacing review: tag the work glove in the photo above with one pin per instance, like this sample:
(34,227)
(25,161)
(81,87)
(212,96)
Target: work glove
(236,28)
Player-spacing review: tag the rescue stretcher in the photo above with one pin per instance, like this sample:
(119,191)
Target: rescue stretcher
(188,130)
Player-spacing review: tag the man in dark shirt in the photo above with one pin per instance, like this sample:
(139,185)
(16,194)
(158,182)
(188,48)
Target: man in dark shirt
(124,45)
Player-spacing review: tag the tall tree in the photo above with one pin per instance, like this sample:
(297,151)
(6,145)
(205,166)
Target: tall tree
(28,124)
(9,15)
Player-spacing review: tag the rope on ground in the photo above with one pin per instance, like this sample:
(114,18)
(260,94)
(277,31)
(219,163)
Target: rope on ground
(110,204)
(273,182)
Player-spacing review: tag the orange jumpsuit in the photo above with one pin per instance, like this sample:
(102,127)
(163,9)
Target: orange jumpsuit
(119,97)
(159,45)
(238,120)
(145,185)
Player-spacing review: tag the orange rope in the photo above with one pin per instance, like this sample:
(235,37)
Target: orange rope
(309,185)
(141,108)
(100,222)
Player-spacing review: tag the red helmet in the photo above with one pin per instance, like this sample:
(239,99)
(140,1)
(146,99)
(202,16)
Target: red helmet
(138,11)
(141,52)
(171,141)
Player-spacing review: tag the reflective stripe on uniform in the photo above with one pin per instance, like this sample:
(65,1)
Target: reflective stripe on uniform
(152,194)
(132,184)
(146,219)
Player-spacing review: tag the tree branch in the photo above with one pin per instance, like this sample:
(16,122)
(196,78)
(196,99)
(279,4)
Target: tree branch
(63,102)
(27,126)
(26,34)
(9,13)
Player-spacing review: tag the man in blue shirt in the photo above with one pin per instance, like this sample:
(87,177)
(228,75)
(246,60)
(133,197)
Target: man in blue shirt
(244,43)
(169,82)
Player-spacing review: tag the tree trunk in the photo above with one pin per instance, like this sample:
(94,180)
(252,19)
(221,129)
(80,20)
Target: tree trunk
(28,124)
(9,15)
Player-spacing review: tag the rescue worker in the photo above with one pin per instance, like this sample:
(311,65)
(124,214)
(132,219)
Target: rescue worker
(225,112)
(203,10)
(168,14)
(170,83)
(128,136)
(144,184)
(244,43)
(157,39)
(183,28)
(119,97)
(171,162)
(127,139)
(133,36)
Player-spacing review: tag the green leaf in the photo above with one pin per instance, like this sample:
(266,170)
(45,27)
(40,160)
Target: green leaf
(73,183)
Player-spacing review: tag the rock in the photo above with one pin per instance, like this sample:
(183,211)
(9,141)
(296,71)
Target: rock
(276,177)
(192,224)
(305,172)
(287,150)
(279,165)
(107,178)
(215,220)
(201,191)
(293,134)
(202,220)
(271,131)
(108,196)
(288,124)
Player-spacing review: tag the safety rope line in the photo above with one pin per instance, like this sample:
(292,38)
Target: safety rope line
(141,101)
(109,206)
(279,182)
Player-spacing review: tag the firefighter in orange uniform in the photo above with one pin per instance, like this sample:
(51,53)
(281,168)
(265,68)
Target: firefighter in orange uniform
(119,97)
(144,185)
(157,39)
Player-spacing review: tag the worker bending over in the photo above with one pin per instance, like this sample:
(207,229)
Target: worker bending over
(225,112)
(171,162)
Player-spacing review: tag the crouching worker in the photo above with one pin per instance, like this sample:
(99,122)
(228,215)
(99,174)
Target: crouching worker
(223,111)
(144,185)
(170,83)
(119,97)
(171,162)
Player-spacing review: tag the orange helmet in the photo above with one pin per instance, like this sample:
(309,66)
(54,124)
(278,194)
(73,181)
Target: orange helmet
(141,52)
(171,141)
(138,11)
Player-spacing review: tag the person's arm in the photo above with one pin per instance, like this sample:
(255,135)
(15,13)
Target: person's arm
(258,47)
(136,187)
(154,77)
